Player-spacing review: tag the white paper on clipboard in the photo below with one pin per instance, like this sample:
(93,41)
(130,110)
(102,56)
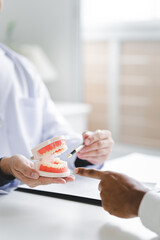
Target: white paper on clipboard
(144,168)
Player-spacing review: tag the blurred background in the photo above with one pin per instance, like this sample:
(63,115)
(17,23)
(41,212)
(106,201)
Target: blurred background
(100,61)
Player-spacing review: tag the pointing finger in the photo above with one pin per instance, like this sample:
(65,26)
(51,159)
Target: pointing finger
(89,173)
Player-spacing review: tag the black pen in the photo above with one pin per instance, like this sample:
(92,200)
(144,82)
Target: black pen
(76,150)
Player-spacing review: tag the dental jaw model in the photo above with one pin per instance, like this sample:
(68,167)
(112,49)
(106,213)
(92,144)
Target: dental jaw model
(46,152)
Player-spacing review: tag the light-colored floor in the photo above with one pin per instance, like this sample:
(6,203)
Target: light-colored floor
(120,149)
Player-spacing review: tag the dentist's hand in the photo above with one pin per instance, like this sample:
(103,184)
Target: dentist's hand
(98,146)
(23,169)
(120,194)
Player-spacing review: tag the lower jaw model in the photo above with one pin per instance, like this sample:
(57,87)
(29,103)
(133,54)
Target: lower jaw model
(47,164)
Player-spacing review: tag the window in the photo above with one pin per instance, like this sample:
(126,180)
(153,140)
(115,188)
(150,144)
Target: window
(98,13)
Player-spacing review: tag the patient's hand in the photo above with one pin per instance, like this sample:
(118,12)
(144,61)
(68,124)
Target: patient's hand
(23,169)
(120,194)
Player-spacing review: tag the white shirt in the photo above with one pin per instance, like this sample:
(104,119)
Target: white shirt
(28,116)
(149,211)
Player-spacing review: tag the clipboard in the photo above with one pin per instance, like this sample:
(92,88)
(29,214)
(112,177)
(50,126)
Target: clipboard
(69,197)
(82,190)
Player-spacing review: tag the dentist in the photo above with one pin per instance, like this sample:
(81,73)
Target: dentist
(28,116)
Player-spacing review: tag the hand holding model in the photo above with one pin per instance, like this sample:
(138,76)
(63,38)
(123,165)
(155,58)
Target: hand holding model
(121,195)
(23,169)
(98,146)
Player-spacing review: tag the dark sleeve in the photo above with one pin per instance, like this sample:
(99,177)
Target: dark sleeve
(82,163)
(5,179)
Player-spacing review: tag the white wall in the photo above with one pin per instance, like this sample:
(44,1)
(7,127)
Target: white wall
(54,24)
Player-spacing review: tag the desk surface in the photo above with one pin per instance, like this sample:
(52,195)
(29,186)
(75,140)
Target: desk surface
(28,216)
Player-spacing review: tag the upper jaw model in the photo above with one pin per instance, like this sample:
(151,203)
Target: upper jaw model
(46,152)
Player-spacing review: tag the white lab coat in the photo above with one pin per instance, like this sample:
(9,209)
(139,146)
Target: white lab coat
(149,210)
(28,116)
